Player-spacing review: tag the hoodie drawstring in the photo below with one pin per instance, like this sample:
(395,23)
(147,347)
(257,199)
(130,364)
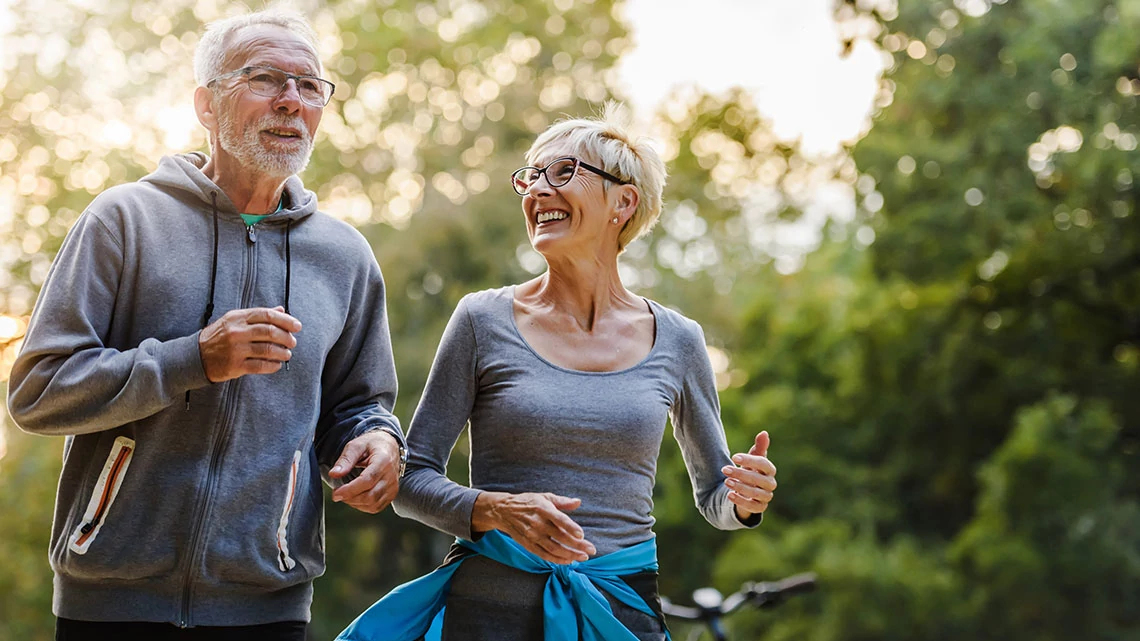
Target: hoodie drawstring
(213,273)
(288,271)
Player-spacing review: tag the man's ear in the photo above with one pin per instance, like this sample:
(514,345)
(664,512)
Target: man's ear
(204,107)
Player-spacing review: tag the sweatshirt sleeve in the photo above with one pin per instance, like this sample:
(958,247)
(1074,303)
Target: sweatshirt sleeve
(358,384)
(426,494)
(700,433)
(65,379)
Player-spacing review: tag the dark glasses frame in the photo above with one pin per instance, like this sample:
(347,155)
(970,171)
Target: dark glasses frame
(521,186)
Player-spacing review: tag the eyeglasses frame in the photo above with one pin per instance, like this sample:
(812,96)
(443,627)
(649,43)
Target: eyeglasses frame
(577,163)
(245,71)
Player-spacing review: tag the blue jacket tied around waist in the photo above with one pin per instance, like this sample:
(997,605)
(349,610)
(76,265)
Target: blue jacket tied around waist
(572,599)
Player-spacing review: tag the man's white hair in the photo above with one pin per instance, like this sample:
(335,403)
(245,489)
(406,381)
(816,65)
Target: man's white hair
(607,141)
(210,56)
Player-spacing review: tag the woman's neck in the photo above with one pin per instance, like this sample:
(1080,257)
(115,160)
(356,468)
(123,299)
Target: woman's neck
(583,289)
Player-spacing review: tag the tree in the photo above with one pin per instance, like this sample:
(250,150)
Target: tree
(435,105)
(950,387)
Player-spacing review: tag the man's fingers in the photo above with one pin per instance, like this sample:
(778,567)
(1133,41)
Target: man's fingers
(259,366)
(348,458)
(353,491)
(374,499)
(275,316)
(269,352)
(265,333)
(237,343)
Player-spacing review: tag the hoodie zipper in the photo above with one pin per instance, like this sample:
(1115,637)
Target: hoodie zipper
(202,510)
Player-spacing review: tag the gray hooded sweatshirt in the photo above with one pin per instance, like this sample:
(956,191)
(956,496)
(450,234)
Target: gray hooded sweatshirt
(183,501)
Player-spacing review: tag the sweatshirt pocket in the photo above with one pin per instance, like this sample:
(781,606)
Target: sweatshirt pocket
(284,561)
(103,496)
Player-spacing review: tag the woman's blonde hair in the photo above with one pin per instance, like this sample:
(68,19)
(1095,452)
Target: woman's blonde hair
(608,141)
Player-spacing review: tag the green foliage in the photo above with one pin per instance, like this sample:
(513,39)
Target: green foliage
(949,379)
(1053,544)
(953,404)
(28,473)
(435,104)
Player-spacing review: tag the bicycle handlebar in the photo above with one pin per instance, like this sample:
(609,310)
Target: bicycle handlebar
(765,594)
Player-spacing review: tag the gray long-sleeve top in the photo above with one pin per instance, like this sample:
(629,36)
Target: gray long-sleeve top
(538,427)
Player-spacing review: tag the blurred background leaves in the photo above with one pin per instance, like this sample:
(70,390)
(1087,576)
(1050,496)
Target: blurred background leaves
(947,359)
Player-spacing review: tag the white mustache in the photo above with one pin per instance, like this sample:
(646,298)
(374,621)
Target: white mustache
(270,121)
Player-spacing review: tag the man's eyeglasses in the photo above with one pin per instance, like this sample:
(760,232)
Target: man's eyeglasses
(270,82)
(558,173)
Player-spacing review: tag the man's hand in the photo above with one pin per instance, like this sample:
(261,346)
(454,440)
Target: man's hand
(379,454)
(247,341)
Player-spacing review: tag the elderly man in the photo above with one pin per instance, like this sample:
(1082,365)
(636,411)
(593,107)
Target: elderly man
(210,344)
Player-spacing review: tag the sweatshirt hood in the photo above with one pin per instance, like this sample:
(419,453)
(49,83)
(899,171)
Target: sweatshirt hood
(183,172)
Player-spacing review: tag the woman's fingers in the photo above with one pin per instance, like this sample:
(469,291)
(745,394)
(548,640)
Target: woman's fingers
(745,476)
(749,492)
(747,504)
(539,522)
(552,551)
(752,481)
(760,464)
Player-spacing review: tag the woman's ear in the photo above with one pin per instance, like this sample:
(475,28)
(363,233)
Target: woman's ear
(625,202)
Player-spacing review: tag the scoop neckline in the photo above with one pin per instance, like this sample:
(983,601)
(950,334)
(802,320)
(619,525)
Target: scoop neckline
(510,299)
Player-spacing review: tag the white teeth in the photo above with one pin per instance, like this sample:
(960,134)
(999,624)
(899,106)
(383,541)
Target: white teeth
(551,215)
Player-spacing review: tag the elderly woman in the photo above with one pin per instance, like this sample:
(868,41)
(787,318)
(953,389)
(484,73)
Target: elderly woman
(567,381)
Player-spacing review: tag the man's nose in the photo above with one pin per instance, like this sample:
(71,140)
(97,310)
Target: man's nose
(289,99)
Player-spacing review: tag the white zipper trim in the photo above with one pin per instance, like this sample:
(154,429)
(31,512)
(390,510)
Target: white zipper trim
(114,471)
(284,561)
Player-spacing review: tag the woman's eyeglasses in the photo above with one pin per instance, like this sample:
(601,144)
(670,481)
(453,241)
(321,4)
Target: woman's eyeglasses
(558,173)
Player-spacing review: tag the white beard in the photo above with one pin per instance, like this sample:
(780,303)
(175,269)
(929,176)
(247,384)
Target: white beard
(247,147)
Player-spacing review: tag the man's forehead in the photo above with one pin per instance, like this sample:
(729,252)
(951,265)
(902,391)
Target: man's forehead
(271,45)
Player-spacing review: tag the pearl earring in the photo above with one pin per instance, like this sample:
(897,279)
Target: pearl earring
(615,220)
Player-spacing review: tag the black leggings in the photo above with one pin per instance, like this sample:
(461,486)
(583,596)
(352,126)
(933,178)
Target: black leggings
(493,602)
(72,630)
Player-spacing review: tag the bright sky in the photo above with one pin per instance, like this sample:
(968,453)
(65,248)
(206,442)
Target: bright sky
(785,51)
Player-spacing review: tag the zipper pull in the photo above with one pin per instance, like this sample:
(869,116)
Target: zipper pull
(87,527)
(252,233)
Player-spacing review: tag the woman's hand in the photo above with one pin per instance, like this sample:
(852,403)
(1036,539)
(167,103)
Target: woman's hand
(753,480)
(538,522)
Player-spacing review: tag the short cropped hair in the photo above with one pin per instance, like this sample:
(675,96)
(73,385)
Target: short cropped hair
(608,141)
(210,55)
